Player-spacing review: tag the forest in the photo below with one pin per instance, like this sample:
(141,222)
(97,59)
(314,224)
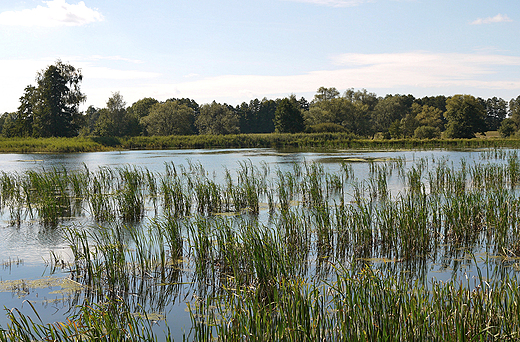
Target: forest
(52,109)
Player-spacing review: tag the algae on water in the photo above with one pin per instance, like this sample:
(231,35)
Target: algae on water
(23,287)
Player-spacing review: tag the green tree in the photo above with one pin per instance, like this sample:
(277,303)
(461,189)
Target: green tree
(169,118)
(216,118)
(137,111)
(427,132)
(2,120)
(507,128)
(325,94)
(389,110)
(113,120)
(465,116)
(142,108)
(288,117)
(55,101)
(438,102)
(11,125)
(514,110)
(256,116)
(362,97)
(20,124)
(496,111)
(89,121)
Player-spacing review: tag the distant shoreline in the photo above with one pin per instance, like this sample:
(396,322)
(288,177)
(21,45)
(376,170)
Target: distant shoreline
(271,140)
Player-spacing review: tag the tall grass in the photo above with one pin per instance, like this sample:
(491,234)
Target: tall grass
(338,258)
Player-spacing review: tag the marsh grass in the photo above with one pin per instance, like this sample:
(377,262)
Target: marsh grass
(107,321)
(272,140)
(339,258)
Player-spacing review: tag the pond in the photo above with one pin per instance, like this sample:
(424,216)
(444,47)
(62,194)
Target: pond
(363,198)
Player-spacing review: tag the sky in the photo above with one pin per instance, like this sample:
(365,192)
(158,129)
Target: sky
(232,51)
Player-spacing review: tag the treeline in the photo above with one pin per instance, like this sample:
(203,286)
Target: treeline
(51,109)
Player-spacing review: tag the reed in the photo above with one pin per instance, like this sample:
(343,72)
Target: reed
(338,258)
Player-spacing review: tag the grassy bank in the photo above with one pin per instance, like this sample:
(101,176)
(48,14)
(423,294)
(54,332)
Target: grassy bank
(302,140)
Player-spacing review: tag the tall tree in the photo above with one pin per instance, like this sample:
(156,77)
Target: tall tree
(216,118)
(21,123)
(362,97)
(514,110)
(496,111)
(288,117)
(465,116)
(389,110)
(325,94)
(113,120)
(56,101)
(169,118)
(137,111)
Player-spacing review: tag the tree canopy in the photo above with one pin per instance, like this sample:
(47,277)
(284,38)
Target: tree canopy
(288,117)
(169,118)
(465,115)
(51,109)
(216,118)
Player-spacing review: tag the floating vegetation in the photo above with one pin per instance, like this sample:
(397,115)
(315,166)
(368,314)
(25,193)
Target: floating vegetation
(23,287)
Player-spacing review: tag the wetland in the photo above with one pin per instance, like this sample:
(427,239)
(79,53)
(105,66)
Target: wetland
(261,244)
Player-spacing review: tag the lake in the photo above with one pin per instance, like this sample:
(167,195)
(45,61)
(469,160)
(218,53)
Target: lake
(38,252)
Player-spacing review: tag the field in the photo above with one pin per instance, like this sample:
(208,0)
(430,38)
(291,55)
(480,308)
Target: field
(421,249)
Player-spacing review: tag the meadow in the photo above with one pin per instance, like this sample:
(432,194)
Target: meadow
(410,249)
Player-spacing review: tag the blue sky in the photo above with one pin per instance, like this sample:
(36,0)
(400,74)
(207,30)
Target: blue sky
(235,51)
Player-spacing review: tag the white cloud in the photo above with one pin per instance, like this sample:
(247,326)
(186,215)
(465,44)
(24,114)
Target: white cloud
(418,73)
(98,72)
(335,3)
(115,58)
(499,18)
(17,74)
(371,71)
(191,75)
(56,13)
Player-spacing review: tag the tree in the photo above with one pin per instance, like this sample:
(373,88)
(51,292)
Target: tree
(362,97)
(142,108)
(427,132)
(496,111)
(257,116)
(20,123)
(514,110)
(389,110)
(288,117)
(438,102)
(325,94)
(113,120)
(216,118)
(507,128)
(465,116)
(169,118)
(137,111)
(55,101)
(89,121)
(11,125)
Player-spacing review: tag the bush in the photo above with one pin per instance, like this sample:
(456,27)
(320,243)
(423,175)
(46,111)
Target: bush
(507,128)
(427,132)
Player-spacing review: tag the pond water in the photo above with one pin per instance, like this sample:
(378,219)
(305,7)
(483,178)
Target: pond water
(25,249)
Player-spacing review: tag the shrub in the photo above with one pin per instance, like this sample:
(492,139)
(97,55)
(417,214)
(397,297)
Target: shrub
(427,132)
